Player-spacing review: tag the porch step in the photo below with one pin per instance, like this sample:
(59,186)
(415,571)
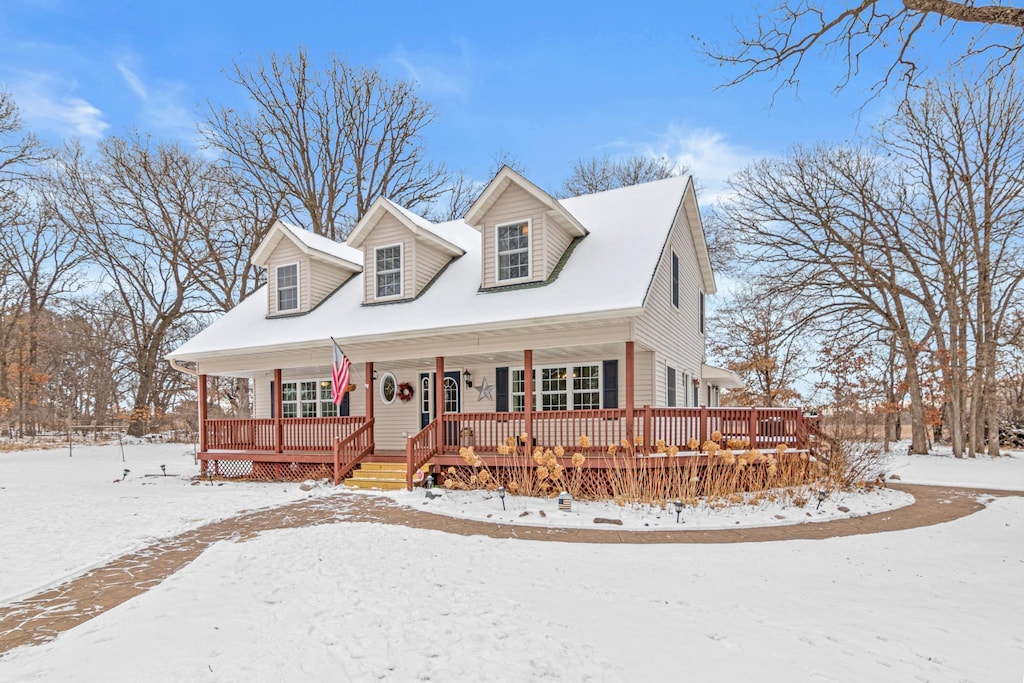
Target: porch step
(379,475)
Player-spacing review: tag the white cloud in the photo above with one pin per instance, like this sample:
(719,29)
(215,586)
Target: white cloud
(707,153)
(435,75)
(64,114)
(133,81)
(161,103)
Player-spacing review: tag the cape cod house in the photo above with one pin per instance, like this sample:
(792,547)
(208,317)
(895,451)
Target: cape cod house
(531,315)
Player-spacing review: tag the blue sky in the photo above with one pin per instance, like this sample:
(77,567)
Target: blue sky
(546,82)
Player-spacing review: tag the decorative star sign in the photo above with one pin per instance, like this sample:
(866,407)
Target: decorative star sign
(486,390)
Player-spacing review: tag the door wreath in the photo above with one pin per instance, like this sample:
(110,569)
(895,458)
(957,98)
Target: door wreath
(405,391)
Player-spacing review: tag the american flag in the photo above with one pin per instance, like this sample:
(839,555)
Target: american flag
(339,375)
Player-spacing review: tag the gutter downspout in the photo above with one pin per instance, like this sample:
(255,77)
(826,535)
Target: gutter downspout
(181,368)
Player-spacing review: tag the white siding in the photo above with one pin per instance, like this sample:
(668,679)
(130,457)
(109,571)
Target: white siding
(429,260)
(324,278)
(556,241)
(674,333)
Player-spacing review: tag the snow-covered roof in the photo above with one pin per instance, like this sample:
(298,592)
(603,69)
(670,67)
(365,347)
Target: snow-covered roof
(607,275)
(310,243)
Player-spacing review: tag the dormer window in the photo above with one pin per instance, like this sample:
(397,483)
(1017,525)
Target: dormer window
(288,287)
(513,251)
(389,271)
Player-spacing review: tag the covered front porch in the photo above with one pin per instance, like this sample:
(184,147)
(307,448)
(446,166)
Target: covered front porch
(542,398)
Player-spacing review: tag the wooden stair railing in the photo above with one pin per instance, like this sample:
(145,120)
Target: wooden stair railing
(817,442)
(351,450)
(419,450)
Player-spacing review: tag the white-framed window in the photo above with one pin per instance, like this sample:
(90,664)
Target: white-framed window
(687,378)
(388,388)
(388,270)
(288,287)
(670,386)
(560,387)
(307,398)
(696,392)
(425,405)
(517,388)
(586,387)
(553,395)
(512,249)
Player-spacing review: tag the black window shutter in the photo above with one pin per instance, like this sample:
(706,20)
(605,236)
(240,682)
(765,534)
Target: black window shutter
(610,379)
(671,383)
(675,280)
(343,408)
(501,388)
(702,312)
(273,400)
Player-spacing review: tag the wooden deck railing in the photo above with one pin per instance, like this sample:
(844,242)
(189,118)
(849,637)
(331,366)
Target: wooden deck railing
(317,433)
(240,435)
(297,433)
(351,450)
(419,450)
(760,427)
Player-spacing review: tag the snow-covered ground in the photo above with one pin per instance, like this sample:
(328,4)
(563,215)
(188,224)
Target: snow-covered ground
(487,507)
(363,602)
(357,601)
(62,515)
(940,468)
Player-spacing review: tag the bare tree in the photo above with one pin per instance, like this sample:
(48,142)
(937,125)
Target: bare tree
(598,174)
(43,258)
(793,31)
(142,212)
(758,335)
(457,198)
(964,146)
(325,143)
(503,157)
(825,222)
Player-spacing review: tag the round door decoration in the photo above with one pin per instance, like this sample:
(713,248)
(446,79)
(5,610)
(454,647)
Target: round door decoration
(405,391)
(388,388)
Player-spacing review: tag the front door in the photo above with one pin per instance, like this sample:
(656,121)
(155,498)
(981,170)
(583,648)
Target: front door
(452,402)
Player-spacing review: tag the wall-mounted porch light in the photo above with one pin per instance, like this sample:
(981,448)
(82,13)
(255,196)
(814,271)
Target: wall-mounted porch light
(467,378)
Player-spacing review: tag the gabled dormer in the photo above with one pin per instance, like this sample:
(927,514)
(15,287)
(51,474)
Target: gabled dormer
(525,232)
(303,269)
(402,253)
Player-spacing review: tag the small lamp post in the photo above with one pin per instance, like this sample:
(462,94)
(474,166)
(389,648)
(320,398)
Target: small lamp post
(501,494)
(163,468)
(429,483)
(125,475)
(679,509)
(822,495)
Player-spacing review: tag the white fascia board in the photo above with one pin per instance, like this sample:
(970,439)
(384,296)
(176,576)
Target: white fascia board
(279,231)
(507,176)
(625,313)
(699,238)
(365,226)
